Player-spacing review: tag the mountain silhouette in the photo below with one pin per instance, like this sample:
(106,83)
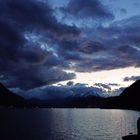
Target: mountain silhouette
(8,98)
(133,91)
(128,99)
(131,95)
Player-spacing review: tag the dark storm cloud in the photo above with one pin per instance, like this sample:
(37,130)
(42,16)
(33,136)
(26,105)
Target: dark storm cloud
(22,61)
(123,11)
(36,48)
(78,51)
(132,78)
(87,9)
(27,78)
(68,49)
(121,42)
(10,39)
(90,47)
(116,46)
(91,65)
(33,15)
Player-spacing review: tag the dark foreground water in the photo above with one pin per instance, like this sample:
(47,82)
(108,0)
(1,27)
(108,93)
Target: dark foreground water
(66,124)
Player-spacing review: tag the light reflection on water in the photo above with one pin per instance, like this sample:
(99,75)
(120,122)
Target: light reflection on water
(67,124)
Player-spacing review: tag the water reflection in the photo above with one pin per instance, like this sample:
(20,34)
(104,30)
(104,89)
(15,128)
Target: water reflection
(67,124)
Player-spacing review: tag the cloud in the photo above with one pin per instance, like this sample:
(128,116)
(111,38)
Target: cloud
(25,26)
(70,83)
(132,78)
(119,47)
(113,84)
(90,47)
(105,86)
(123,11)
(37,49)
(93,9)
(33,15)
(136,4)
(36,76)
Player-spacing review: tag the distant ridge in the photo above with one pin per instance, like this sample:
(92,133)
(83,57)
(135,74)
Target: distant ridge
(128,99)
(8,98)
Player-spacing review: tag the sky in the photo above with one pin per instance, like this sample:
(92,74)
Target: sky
(55,42)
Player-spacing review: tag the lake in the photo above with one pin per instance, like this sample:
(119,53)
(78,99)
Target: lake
(66,124)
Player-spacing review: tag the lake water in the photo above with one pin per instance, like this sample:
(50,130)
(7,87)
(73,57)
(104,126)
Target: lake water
(66,124)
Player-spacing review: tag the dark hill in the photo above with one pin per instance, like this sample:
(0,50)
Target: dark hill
(133,91)
(128,99)
(131,95)
(8,98)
